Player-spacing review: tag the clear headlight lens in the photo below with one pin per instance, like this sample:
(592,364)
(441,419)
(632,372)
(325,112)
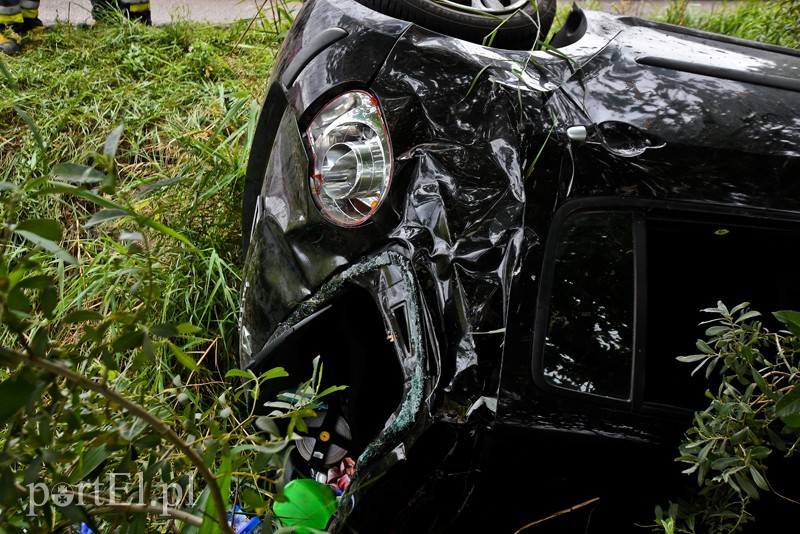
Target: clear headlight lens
(352,158)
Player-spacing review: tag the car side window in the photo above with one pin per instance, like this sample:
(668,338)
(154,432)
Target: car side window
(623,292)
(693,264)
(589,340)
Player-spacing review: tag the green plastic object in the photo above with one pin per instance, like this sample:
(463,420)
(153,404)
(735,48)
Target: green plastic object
(308,504)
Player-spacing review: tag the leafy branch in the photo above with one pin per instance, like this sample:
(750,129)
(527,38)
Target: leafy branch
(754,413)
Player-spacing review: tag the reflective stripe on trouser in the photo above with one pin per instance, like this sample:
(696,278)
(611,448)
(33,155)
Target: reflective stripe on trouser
(136,6)
(10,12)
(30,8)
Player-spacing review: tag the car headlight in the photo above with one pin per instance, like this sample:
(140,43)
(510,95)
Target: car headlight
(352,158)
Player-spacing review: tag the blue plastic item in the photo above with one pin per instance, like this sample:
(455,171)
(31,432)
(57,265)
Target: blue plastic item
(242,524)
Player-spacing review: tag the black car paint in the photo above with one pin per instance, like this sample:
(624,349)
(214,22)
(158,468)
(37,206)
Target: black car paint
(483,163)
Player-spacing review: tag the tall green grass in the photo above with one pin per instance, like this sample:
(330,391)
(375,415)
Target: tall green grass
(187,97)
(768,21)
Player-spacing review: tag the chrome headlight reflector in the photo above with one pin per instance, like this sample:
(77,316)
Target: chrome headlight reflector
(352,158)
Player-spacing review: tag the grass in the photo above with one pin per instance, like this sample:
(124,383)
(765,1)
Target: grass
(167,114)
(767,21)
(187,96)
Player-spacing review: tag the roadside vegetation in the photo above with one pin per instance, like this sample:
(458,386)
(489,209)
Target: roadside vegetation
(122,157)
(123,151)
(767,21)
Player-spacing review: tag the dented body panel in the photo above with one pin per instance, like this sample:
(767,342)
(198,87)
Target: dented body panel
(488,146)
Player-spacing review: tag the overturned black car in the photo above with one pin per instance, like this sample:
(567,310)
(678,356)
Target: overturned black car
(500,246)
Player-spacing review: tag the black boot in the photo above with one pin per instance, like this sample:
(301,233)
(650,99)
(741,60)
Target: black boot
(138,12)
(141,16)
(104,10)
(32,24)
(8,46)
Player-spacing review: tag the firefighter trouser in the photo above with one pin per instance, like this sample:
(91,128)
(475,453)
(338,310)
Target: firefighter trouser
(14,11)
(134,6)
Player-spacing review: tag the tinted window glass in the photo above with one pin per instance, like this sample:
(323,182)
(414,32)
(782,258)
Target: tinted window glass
(588,346)
(690,266)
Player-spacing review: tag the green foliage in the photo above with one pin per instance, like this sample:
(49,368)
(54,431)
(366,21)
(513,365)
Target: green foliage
(121,165)
(89,396)
(753,414)
(183,100)
(766,21)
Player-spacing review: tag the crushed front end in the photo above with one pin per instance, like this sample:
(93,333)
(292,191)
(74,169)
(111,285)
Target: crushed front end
(384,221)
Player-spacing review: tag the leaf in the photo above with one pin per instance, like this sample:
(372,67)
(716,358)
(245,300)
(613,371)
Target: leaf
(716,330)
(88,462)
(79,174)
(185,360)
(704,451)
(7,186)
(131,236)
(704,348)
(762,384)
(475,81)
(112,142)
(187,328)
(758,478)
(210,524)
(148,441)
(105,216)
(269,448)
(268,424)
(163,330)
(45,228)
(138,525)
(165,230)
(81,316)
(9,79)
(724,463)
(128,341)
(36,282)
(692,358)
(331,389)
(57,187)
(791,319)
(776,440)
(74,513)
(252,500)
(48,245)
(746,485)
(746,316)
(788,408)
(153,186)
(239,374)
(37,135)
(48,300)
(197,510)
(275,372)
(15,392)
